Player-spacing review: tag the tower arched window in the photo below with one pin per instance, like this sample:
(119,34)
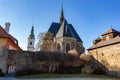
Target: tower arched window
(67,47)
(30,43)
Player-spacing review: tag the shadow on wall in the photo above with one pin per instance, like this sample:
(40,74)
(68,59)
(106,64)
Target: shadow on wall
(95,67)
(92,66)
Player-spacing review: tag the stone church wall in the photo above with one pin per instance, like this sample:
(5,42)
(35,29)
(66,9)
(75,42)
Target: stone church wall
(80,48)
(69,41)
(109,56)
(72,42)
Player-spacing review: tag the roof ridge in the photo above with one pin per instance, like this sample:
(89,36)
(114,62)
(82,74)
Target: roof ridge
(111,30)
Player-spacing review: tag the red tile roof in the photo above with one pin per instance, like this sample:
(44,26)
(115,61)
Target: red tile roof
(3,33)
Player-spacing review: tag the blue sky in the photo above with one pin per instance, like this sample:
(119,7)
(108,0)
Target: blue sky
(90,18)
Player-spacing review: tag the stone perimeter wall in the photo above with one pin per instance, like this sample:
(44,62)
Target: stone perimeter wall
(10,58)
(109,56)
(25,60)
(3,59)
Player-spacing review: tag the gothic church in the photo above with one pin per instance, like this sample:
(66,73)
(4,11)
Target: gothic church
(65,36)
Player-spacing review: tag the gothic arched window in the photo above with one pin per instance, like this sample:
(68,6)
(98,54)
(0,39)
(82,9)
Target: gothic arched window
(67,47)
(58,46)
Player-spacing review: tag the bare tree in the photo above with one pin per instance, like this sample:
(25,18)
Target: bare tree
(40,38)
(47,42)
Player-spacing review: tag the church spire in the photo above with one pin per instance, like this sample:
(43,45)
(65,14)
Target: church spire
(32,33)
(61,15)
(31,40)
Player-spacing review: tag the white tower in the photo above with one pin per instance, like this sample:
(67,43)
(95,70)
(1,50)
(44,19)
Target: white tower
(31,41)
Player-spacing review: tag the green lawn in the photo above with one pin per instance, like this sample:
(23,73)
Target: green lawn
(65,76)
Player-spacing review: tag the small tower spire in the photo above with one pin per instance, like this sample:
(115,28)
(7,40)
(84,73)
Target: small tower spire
(61,15)
(32,33)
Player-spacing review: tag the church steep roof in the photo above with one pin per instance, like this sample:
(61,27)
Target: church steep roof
(74,33)
(65,30)
(62,30)
(54,28)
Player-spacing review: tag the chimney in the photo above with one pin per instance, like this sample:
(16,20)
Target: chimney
(7,26)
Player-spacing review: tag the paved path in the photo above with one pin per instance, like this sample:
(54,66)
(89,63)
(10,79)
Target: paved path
(10,78)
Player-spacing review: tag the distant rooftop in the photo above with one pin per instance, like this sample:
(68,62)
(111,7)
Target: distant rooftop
(112,41)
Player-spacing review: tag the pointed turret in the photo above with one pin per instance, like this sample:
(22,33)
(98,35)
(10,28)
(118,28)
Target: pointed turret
(61,16)
(32,33)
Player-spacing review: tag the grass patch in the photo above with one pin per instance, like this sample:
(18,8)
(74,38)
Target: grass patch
(65,76)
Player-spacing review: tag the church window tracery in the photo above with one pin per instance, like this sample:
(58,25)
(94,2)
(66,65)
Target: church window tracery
(58,46)
(67,47)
